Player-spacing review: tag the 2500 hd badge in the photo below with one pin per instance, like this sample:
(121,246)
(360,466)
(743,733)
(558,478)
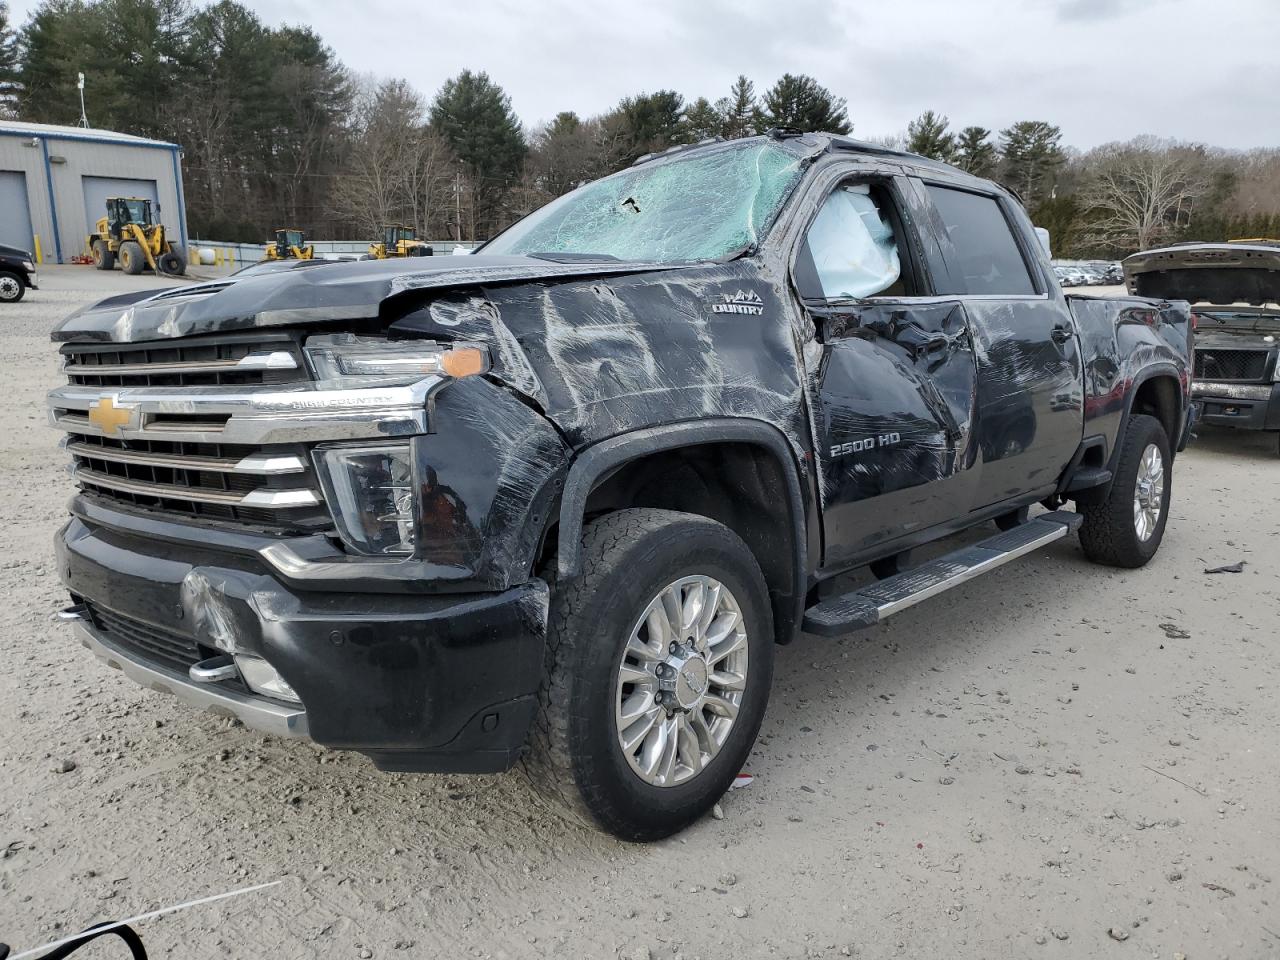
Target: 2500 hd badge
(868,443)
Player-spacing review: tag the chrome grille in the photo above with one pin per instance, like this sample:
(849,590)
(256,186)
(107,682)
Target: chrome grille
(271,487)
(243,360)
(1226,365)
(173,460)
(218,451)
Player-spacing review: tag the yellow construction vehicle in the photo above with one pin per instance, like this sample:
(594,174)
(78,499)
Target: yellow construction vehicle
(399,241)
(128,233)
(290,245)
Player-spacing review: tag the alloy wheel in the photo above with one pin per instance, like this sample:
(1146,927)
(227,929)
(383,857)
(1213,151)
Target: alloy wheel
(681,680)
(1148,494)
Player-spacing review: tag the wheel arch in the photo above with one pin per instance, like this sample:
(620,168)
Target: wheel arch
(777,538)
(1156,393)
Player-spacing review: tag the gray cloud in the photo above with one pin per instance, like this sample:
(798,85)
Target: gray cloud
(1100,69)
(1089,9)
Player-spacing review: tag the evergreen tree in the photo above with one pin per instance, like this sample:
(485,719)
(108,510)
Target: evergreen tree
(474,115)
(739,112)
(801,103)
(9,87)
(648,122)
(1030,155)
(975,152)
(927,135)
(565,123)
(57,42)
(701,121)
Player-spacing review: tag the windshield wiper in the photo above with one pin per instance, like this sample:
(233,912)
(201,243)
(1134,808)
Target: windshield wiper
(556,256)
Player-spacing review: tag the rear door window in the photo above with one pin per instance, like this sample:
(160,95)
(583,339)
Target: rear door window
(983,255)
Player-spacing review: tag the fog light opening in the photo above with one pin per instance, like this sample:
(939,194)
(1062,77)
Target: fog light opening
(261,677)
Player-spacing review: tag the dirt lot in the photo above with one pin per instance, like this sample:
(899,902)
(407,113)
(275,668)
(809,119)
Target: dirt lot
(1031,766)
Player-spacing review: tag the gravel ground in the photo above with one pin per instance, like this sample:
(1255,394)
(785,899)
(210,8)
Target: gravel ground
(1057,760)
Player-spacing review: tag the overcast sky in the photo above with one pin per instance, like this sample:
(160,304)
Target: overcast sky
(1205,70)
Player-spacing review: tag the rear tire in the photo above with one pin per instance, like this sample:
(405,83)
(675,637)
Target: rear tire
(12,287)
(103,258)
(132,259)
(1124,528)
(642,570)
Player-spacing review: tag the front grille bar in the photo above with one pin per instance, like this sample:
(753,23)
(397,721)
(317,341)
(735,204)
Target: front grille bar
(258,464)
(267,498)
(302,413)
(275,360)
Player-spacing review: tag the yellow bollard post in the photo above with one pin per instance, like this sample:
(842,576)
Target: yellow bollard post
(39,253)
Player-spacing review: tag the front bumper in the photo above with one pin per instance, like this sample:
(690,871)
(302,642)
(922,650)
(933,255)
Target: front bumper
(443,683)
(1245,406)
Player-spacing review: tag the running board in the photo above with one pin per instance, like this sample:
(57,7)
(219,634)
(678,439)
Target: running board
(868,606)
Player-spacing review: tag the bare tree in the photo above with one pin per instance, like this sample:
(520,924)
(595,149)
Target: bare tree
(1139,192)
(397,170)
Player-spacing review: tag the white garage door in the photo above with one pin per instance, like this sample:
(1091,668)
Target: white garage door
(15,213)
(98,189)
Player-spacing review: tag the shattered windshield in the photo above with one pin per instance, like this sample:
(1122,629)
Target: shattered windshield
(702,205)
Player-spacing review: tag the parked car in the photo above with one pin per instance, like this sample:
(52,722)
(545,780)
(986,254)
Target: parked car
(1235,288)
(17,273)
(555,503)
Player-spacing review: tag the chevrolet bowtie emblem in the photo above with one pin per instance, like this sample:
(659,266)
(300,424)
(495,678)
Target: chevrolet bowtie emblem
(108,417)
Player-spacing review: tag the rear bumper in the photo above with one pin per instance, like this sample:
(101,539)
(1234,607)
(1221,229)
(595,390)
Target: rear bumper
(1245,406)
(443,683)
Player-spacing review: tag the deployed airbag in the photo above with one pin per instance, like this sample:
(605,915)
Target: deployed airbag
(853,249)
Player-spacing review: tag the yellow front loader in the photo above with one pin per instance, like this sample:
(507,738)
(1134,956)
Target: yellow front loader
(399,241)
(128,234)
(290,245)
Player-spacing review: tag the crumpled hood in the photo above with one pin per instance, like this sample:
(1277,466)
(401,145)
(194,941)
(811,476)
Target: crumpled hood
(1216,273)
(312,292)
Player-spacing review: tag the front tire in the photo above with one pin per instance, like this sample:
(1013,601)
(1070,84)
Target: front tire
(132,260)
(1124,528)
(12,287)
(659,663)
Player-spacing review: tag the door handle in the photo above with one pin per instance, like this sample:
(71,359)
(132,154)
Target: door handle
(1062,332)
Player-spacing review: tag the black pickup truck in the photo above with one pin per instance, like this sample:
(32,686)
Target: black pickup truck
(556,502)
(17,273)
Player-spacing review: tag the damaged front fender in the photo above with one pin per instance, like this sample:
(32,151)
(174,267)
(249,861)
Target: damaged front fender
(488,476)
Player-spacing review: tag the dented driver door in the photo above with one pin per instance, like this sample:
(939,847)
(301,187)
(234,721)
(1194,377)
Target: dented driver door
(897,398)
(896,383)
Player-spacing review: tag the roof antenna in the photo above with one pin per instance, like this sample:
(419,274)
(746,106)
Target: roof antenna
(84,119)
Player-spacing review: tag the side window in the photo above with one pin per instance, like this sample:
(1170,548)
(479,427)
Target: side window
(851,249)
(983,250)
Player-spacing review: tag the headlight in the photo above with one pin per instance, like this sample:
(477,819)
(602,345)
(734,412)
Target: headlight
(370,491)
(351,361)
(28,265)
